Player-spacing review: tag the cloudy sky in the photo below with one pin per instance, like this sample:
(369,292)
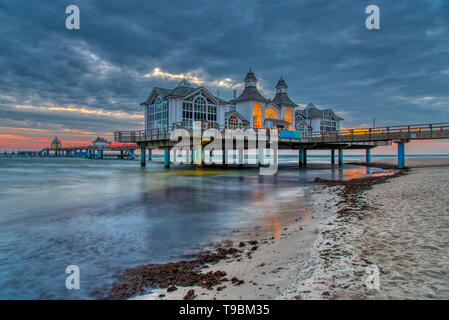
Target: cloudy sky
(78,84)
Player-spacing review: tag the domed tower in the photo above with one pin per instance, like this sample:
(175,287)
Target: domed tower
(285,104)
(281,87)
(281,98)
(250,103)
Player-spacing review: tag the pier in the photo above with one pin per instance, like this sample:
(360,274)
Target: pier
(81,151)
(341,140)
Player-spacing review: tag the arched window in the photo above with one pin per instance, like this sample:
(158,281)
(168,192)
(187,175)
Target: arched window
(328,124)
(200,109)
(271,113)
(288,116)
(233,122)
(257,116)
(157,116)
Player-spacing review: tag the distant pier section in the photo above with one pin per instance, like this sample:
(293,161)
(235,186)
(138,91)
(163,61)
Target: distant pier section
(99,149)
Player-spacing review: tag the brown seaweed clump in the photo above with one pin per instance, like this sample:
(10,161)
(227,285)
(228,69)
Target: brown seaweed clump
(169,275)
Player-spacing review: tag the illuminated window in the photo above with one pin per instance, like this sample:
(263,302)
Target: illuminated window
(288,116)
(257,116)
(271,113)
(233,122)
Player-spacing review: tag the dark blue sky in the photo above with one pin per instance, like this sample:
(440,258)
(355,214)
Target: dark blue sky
(93,79)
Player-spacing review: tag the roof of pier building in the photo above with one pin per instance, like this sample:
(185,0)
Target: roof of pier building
(182,90)
(99,140)
(250,93)
(281,98)
(311,112)
(56,142)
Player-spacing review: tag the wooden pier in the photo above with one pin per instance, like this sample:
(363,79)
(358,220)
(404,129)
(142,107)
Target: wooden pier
(357,138)
(80,151)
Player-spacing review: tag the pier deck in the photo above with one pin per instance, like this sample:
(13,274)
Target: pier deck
(357,138)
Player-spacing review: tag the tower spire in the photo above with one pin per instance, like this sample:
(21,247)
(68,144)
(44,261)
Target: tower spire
(281,87)
(250,79)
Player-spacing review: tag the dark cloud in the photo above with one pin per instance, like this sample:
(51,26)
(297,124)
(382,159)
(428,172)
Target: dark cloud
(399,74)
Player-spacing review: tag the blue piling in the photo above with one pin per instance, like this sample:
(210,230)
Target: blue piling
(150,155)
(132,155)
(142,157)
(368,156)
(167,157)
(401,155)
(333,156)
(301,157)
(340,157)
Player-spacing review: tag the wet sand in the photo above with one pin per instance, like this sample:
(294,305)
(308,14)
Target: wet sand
(400,225)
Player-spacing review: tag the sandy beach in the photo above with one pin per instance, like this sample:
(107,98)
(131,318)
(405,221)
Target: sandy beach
(399,226)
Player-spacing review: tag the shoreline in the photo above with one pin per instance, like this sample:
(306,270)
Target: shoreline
(317,257)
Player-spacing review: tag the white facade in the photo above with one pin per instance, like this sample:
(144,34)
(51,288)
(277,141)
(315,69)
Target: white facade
(184,104)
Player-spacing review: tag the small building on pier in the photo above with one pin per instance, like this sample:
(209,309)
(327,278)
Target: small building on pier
(316,121)
(100,143)
(55,144)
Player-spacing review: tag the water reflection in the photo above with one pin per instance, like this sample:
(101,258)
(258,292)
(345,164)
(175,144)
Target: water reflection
(108,215)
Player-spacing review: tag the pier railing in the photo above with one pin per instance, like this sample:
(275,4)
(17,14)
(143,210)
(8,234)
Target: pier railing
(390,133)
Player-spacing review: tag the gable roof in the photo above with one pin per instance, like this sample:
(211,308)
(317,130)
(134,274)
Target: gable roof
(183,89)
(230,113)
(310,111)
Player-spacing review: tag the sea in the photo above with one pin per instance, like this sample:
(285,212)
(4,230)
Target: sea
(105,216)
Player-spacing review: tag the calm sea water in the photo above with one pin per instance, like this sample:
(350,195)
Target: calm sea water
(108,215)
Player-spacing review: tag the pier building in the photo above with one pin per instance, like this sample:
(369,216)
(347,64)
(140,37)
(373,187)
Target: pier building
(186,103)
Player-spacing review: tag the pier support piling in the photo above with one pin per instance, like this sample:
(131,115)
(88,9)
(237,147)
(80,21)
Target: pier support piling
(300,157)
(401,155)
(261,156)
(199,156)
(241,157)
(132,155)
(142,157)
(150,155)
(332,156)
(368,156)
(223,155)
(167,157)
(340,157)
(304,157)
